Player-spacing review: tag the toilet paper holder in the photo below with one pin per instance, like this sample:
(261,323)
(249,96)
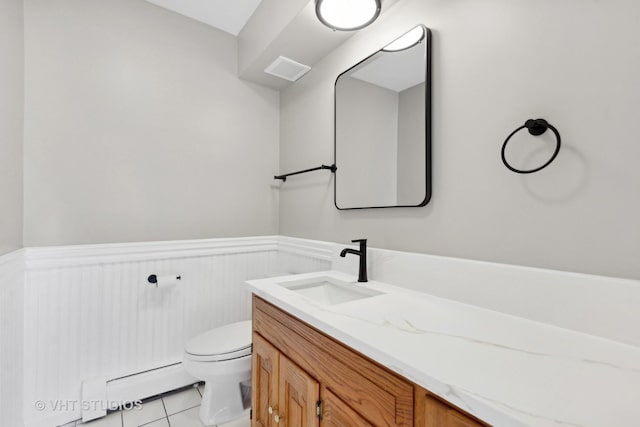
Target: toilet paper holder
(153,279)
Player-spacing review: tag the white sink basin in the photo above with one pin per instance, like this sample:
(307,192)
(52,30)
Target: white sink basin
(329,291)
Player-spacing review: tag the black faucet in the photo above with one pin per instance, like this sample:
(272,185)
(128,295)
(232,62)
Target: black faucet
(362,253)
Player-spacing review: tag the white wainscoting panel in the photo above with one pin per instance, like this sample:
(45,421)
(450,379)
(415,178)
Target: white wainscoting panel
(11,338)
(90,312)
(297,256)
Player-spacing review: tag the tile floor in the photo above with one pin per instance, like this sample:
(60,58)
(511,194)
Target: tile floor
(173,409)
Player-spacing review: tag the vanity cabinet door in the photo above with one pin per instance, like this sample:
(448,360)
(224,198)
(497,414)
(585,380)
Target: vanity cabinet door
(336,413)
(264,394)
(431,412)
(298,396)
(283,395)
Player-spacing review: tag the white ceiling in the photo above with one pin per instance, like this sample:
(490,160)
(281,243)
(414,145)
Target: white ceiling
(270,28)
(396,71)
(226,15)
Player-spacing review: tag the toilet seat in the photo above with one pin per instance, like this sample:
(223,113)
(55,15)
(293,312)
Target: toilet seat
(219,357)
(224,343)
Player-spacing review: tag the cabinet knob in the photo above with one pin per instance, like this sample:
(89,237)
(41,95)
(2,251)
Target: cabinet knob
(270,410)
(277,418)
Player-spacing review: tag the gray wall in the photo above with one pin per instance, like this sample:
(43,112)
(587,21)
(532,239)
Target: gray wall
(11,123)
(496,63)
(137,128)
(411,146)
(367,172)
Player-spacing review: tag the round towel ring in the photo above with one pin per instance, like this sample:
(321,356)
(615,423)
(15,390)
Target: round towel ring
(536,128)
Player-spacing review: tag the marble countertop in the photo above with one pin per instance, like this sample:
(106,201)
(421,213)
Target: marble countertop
(506,370)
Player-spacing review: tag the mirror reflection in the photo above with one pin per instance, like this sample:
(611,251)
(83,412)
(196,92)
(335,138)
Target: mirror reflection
(382,129)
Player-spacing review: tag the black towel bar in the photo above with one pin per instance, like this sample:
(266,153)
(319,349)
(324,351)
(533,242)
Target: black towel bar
(332,168)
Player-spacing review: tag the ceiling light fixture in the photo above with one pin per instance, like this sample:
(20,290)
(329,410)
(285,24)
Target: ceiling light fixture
(347,15)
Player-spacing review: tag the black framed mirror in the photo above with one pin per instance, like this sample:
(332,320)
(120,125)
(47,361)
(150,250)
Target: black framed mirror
(382,133)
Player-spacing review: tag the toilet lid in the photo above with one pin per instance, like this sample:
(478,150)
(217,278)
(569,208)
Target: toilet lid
(223,343)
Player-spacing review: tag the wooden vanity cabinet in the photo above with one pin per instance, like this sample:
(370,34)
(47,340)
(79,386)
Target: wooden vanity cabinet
(303,378)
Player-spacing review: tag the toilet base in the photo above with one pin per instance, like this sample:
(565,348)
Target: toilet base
(222,398)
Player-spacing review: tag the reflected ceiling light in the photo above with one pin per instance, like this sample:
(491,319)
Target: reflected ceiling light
(347,15)
(406,41)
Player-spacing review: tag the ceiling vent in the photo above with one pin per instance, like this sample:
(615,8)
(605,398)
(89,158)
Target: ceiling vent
(287,69)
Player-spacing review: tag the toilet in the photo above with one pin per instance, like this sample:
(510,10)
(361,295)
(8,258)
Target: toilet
(221,358)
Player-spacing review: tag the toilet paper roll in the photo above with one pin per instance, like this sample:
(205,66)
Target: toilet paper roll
(168,281)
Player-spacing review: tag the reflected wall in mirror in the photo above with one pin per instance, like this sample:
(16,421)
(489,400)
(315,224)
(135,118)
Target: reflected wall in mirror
(383,127)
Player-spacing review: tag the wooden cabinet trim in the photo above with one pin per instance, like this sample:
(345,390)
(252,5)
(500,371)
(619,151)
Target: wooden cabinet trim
(264,389)
(432,411)
(336,413)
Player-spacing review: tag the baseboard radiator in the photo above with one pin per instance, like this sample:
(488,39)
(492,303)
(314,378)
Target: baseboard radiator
(101,394)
